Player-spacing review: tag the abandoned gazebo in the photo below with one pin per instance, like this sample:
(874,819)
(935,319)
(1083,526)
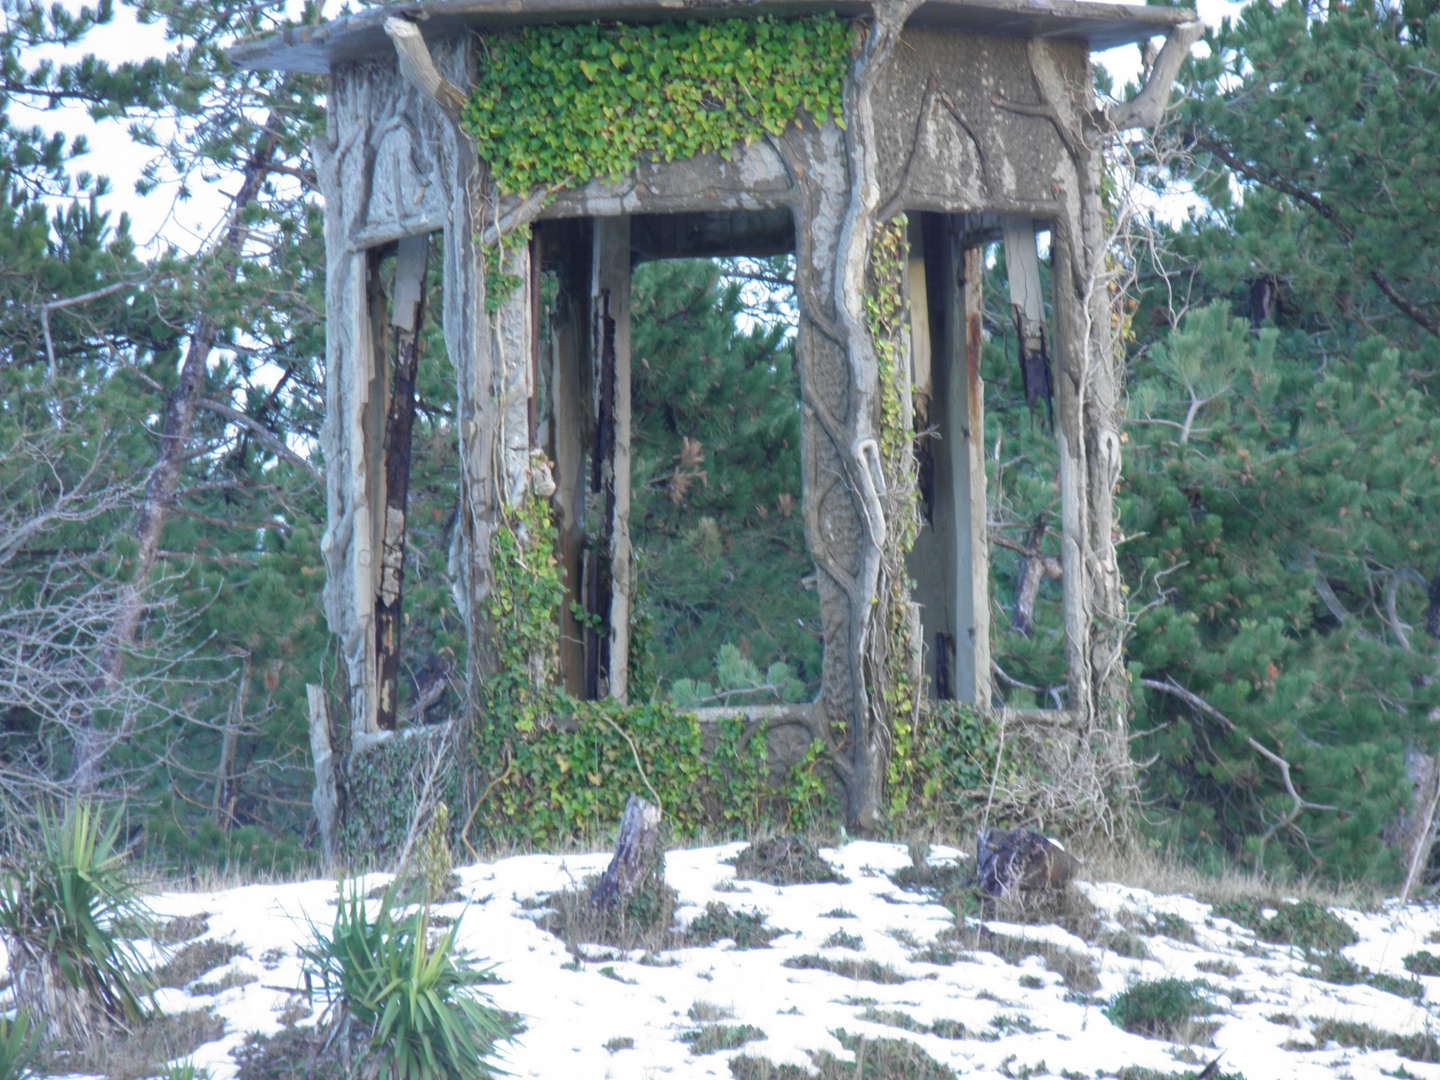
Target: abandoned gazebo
(955,124)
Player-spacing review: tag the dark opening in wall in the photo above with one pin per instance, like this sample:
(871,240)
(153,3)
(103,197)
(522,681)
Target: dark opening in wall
(726,606)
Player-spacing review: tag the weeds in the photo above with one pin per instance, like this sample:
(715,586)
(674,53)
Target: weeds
(1423,963)
(937,879)
(1339,969)
(706,1012)
(785,860)
(944,1028)
(874,1059)
(842,940)
(1303,923)
(195,959)
(1418,1047)
(286,1055)
(712,1038)
(1165,1009)
(1174,927)
(746,929)
(1218,967)
(183,928)
(141,1050)
(643,920)
(1077,970)
(869,970)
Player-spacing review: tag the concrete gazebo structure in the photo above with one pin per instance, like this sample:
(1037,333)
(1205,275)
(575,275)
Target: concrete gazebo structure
(975,118)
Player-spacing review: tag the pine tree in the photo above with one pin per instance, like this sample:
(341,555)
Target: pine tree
(716,476)
(1275,517)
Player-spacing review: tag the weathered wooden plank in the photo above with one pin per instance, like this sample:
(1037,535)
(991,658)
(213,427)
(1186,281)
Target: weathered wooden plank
(610,454)
(407,315)
(967,403)
(567,247)
(325,798)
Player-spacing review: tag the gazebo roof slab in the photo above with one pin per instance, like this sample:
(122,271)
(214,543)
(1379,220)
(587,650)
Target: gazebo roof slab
(315,49)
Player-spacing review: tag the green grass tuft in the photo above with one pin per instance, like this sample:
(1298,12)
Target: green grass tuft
(1164,1009)
(1300,922)
(746,929)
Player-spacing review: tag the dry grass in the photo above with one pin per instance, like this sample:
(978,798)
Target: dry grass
(141,1051)
(644,920)
(194,960)
(873,1059)
(1165,874)
(869,970)
(286,1056)
(785,860)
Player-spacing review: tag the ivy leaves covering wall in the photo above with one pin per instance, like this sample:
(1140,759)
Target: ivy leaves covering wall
(560,105)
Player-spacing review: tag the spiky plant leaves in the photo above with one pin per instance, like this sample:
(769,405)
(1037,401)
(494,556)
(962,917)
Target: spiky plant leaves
(413,1004)
(19,1040)
(63,900)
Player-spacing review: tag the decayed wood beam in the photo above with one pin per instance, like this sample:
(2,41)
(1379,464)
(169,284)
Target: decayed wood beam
(608,585)
(326,797)
(972,537)
(567,245)
(406,317)
(420,70)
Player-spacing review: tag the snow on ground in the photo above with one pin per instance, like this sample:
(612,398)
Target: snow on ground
(1017,1016)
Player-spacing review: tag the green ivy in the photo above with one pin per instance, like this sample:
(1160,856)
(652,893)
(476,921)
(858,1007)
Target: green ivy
(885,318)
(499,282)
(556,106)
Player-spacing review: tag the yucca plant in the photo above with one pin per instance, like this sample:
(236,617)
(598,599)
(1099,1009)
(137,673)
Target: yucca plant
(63,899)
(18,1042)
(410,1007)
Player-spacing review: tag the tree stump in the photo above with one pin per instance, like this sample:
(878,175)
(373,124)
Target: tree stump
(635,854)
(1009,859)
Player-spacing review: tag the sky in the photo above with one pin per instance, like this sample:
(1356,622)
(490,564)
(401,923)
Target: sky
(160,218)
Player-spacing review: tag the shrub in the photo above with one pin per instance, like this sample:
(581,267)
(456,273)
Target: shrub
(62,900)
(1163,1009)
(1301,922)
(407,1006)
(712,1038)
(746,929)
(1423,963)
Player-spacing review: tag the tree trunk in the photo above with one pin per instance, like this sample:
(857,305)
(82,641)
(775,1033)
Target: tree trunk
(91,744)
(224,802)
(1034,568)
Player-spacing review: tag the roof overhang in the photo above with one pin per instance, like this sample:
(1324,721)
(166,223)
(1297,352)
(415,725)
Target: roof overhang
(315,49)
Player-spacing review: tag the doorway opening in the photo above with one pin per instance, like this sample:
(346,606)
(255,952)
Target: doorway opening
(671,402)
